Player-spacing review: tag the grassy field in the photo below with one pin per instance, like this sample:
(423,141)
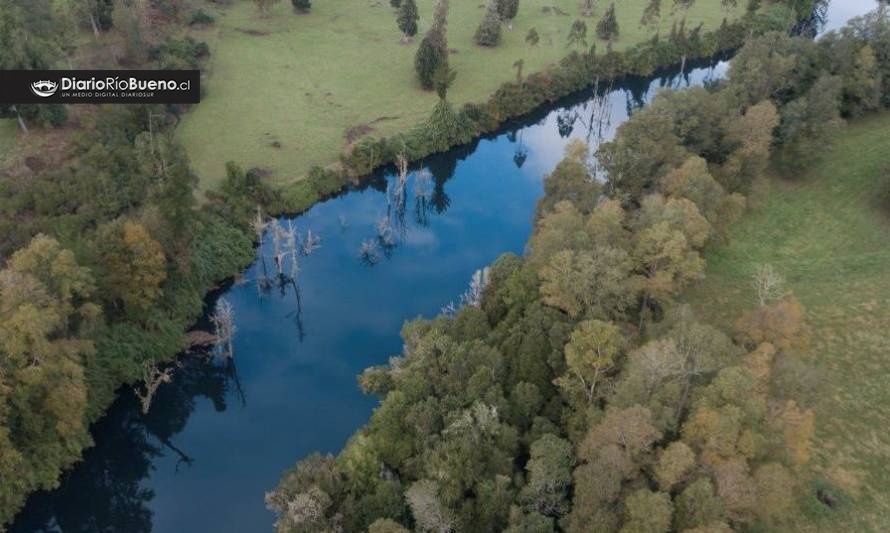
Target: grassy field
(8,133)
(284,90)
(824,232)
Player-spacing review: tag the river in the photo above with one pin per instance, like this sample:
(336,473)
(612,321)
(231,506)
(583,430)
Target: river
(220,435)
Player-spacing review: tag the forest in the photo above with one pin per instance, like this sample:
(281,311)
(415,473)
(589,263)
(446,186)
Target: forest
(575,389)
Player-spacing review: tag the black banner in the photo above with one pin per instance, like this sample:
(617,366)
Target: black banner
(100,86)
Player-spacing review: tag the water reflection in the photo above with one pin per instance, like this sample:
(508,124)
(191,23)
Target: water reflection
(399,245)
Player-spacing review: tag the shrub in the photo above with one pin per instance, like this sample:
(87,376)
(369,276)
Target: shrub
(489,31)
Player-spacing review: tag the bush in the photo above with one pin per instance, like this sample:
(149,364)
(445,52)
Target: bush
(302,5)
(201,17)
(489,31)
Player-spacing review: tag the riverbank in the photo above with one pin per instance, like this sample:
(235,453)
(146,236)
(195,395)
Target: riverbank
(297,108)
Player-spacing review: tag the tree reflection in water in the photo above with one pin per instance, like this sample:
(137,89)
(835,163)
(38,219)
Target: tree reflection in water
(104,492)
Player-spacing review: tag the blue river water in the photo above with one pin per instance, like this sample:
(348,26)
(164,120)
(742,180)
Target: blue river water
(220,435)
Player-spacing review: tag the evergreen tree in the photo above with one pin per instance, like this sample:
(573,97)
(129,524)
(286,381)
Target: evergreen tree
(607,28)
(302,5)
(532,37)
(507,9)
(489,31)
(651,14)
(407,17)
(577,33)
(432,53)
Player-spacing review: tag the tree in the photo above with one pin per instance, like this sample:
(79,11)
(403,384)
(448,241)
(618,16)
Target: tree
(45,317)
(407,18)
(97,12)
(549,476)
(443,78)
(644,149)
(753,136)
(630,430)
(432,54)
(668,261)
(152,378)
(133,263)
(780,324)
(507,9)
(223,320)
(596,282)
(674,464)
(395,3)
(302,6)
(769,285)
(591,352)
(647,512)
(30,41)
(587,7)
(577,33)
(489,31)
(607,27)
(809,122)
(532,37)
(775,493)
(429,513)
(651,13)
(698,506)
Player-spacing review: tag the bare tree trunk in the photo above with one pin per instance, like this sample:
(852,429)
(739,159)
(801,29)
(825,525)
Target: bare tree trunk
(94,25)
(18,116)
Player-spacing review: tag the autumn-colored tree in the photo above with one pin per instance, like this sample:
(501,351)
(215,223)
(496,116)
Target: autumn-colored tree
(595,282)
(647,512)
(668,262)
(133,264)
(775,493)
(590,353)
(674,464)
(780,324)
(630,429)
(45,314)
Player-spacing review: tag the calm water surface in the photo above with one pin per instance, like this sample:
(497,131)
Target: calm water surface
(220,436)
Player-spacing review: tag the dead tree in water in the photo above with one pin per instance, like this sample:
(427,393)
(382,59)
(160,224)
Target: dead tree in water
(152,378)
(223,320)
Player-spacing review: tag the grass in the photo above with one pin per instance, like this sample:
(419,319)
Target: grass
(823,231)
(8,135)
(283,90)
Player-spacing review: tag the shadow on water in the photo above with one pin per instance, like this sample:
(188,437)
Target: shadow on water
(393,247)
